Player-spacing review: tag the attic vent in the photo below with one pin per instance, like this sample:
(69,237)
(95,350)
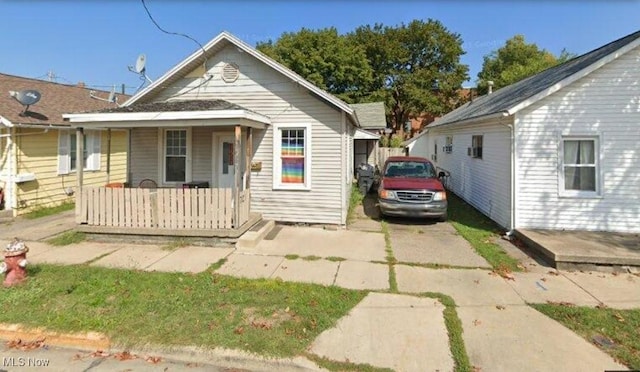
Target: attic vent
(230,72)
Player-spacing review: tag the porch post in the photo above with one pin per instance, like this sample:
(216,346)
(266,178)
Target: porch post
(248,156)
(80,218)
(238,176)
(108,155)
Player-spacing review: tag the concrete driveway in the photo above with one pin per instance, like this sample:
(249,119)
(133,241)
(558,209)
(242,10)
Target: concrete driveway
(418,241)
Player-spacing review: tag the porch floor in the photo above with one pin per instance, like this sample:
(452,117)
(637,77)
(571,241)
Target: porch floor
(584,250)
(254,218)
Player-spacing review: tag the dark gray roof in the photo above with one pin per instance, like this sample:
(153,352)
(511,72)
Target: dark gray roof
(505,98)
(370,115)
(186,105)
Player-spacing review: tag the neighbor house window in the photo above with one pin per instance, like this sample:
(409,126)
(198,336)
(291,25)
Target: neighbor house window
(579,166)
(73,152)
(68,151)
(175,155)
(476,147)
(292,157)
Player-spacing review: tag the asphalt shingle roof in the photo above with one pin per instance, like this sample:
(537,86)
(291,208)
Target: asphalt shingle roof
(178,105)
(505,98)
(370,115)
(56,99)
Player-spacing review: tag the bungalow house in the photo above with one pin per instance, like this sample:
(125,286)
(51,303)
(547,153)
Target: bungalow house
(558,150)
(38,156)
(225,137)
(373,122)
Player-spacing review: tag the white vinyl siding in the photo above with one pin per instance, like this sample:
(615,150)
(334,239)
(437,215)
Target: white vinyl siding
(261,89)
(485,183)
(144,155)
(602,105)
(67,152)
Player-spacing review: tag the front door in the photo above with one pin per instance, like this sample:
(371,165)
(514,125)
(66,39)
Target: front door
(226,162)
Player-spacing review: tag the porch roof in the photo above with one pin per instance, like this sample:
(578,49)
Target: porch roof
(171,113)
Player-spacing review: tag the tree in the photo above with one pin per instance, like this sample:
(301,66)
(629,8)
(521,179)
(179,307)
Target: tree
(515,61)
(416,68)
(325,58)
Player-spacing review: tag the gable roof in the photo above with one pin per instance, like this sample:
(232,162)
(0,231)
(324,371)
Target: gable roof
(517,96)
(56,99)
(218,43)
(371,115)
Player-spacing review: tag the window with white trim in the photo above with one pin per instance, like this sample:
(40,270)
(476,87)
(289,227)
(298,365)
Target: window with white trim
(579,168)
(68,153)
(175,155)
(292,157)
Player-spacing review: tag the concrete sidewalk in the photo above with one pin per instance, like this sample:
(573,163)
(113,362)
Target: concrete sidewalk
(400,331)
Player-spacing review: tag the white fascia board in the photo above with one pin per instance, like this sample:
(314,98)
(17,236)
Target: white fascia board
(168,115)
(570,79)
(5,122)
(363,134)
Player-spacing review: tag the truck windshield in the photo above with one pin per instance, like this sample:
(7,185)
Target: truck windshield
(411,169)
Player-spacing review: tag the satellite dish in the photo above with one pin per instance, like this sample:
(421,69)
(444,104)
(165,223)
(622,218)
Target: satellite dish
(112,96)
(26,97)
(141,63)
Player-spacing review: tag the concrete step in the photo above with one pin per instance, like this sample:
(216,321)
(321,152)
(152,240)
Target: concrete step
(252,237)
(6,216)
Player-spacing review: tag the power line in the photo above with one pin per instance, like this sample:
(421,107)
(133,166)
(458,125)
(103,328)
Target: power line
(173,33)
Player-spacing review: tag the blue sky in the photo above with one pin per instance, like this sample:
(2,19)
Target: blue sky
(94,41)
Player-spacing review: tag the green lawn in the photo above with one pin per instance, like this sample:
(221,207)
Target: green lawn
(620,326)
(269,317)
(48,211)
(480,231)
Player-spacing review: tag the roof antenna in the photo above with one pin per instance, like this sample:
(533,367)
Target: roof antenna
(26,98)
(112,96)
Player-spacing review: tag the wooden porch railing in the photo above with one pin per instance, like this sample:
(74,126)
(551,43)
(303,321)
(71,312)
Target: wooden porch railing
(161,208)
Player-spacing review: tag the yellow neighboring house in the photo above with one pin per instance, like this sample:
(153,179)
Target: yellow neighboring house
(38,149)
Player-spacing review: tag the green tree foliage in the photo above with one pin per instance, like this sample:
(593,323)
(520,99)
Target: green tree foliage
(413,68)
(515,61)
(416,68)
(328,60)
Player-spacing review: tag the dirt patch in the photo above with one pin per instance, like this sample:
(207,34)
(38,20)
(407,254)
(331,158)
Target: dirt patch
(266,322)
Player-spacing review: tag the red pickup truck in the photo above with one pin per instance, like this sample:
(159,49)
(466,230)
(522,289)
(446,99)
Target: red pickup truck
(410,188)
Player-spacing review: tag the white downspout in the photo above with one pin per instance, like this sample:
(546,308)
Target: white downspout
(512,222)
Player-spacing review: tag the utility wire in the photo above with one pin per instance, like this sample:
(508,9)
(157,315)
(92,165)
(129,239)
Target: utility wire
(174,33)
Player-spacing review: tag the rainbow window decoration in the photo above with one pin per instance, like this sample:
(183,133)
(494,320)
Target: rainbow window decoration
(292,154)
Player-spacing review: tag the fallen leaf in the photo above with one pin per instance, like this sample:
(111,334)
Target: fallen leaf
(476,369)
(477,322)
(619,317)
(553,273)
(239,330)
(500,307)
(286,310)
(25,345)
(153,359)
(124,355)
(543,279)
(99,354)
(601,305)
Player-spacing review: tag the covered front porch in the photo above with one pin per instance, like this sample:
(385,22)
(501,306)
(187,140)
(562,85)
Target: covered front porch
(189,173)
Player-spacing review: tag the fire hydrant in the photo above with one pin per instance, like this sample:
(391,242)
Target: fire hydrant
(15,263)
